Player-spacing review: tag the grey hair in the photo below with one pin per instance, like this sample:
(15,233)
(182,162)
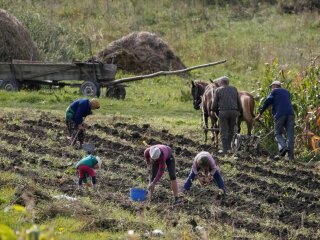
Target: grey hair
(224,80)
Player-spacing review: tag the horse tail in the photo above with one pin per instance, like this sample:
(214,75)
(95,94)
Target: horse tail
(248,104)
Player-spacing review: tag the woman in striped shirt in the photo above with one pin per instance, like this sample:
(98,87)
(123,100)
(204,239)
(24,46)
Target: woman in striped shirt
(206,170)
(157,158)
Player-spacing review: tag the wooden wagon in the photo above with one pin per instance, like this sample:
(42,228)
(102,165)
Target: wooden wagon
(90,77)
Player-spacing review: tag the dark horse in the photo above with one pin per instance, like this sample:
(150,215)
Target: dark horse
(202,94)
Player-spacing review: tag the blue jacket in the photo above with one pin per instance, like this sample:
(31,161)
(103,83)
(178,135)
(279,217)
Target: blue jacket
(81,109)
(280,100)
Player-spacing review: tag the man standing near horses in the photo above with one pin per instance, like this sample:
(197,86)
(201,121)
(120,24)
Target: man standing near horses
(283,115)
(227,105)
(75,114)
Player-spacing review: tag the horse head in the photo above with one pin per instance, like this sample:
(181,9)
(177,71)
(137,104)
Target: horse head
(197,90)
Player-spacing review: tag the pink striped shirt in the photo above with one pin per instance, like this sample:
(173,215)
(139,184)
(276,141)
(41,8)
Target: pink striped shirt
(165,154)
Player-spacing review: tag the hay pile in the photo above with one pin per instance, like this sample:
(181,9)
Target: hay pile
(15,41)
(140,53)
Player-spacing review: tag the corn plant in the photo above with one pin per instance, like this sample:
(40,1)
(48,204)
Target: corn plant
(304,88)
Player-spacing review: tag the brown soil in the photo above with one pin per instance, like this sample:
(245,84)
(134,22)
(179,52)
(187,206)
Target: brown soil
(268,197)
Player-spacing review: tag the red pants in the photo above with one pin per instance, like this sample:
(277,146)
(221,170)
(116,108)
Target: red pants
(83,169)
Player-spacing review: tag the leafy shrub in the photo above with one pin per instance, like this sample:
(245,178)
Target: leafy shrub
(33,232)
(236,2)
(295,6)
(7,233)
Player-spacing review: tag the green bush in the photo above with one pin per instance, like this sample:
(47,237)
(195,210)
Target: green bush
(296,6)
(55,41)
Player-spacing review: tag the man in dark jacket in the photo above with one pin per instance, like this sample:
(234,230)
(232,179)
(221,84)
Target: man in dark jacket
(283,115)
(75,114)
(226,103)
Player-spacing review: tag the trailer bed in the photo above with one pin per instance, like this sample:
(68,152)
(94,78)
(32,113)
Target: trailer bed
(19,73)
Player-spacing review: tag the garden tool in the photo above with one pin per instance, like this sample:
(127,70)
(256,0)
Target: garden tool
(75,137)
(149,180)
(269,133)
(88,147)
(245,142)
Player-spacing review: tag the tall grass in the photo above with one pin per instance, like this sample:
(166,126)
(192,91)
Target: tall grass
(197,31)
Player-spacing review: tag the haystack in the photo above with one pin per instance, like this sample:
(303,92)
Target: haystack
(140,53)
(15,40)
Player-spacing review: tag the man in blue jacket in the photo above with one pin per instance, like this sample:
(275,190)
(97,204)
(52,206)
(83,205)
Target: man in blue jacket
(283,115)
(75,114)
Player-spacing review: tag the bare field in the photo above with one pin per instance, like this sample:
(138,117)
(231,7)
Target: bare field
(267,198)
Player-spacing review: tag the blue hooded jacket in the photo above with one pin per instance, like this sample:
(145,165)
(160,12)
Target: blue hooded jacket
(81,109)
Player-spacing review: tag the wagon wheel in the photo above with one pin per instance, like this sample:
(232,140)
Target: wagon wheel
(118,92)
(10,85)
(90,88)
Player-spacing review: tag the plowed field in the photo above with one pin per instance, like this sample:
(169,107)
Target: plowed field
(268,198)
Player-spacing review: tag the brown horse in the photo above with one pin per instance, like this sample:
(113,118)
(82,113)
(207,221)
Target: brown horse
(206,107)
(205,101)
(248,104)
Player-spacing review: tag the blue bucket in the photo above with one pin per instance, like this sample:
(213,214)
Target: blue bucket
(138,194)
